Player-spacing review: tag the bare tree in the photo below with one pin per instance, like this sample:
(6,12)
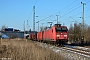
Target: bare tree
(71,33)
(75,33)
(87,34)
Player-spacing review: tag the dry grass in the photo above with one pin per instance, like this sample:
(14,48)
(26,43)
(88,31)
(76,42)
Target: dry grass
(22,50)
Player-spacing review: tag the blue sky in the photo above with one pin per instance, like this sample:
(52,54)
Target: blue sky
(13,13)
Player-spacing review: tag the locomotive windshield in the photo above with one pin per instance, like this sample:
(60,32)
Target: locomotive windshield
(61,29)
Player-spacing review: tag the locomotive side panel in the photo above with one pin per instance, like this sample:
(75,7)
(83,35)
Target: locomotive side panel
(47,35)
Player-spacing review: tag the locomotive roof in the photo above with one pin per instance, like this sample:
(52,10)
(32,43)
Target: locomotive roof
(57,24)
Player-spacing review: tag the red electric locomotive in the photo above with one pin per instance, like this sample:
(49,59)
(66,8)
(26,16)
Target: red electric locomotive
(56,33)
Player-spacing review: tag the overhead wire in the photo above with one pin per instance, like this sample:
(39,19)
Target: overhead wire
(71,11)
(35,2)
(73,6)
(59,11)
(88,1)
(65,8)
(30,15)
(68,9)
(32,9)
(81,12)
(69,5)
(74,9)
(46,18)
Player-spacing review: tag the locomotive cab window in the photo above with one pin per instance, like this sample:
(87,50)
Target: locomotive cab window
(61,29)
(64,29)
(58,30)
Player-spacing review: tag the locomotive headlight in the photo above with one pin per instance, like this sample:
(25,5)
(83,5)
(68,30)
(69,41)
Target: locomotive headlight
(58,35)
(65,35)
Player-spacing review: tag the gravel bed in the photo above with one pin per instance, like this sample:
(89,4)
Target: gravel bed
(67,54)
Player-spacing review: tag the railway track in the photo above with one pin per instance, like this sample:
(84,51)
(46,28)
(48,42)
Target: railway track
(70,50)
(76,49)
(79,50)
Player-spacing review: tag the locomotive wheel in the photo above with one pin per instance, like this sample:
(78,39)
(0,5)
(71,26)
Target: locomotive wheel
(59,43)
